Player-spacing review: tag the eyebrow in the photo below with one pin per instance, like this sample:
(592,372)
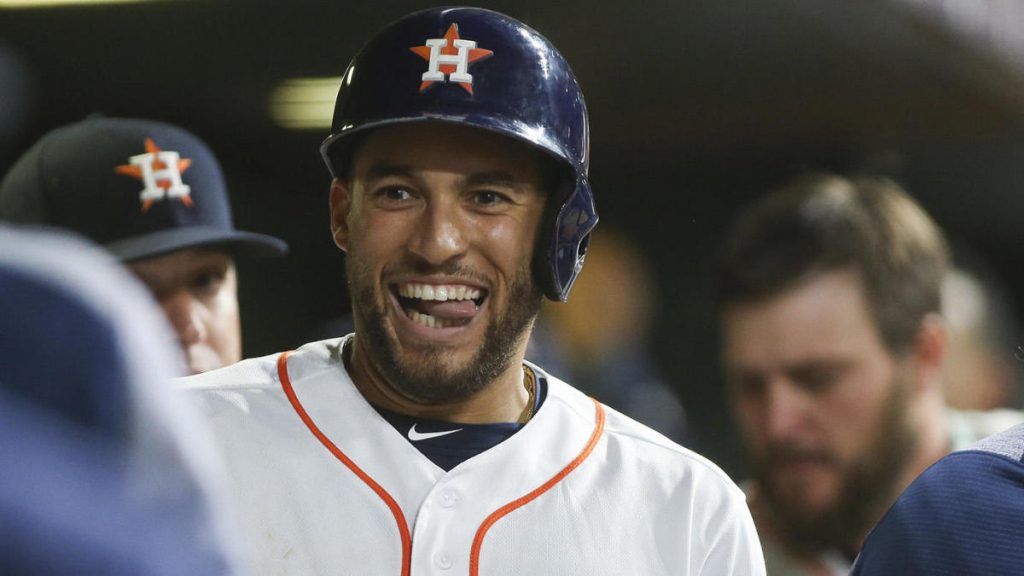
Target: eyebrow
(166,279)
(802,367)
(493,178)
(811,366)
(378,171)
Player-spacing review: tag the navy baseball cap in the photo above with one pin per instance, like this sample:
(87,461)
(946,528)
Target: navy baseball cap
(139,188)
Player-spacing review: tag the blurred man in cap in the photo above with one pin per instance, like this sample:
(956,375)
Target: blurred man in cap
(154,196)
(833,346)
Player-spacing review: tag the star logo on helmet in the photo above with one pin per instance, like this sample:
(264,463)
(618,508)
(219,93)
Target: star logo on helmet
(160,172)
(449,58)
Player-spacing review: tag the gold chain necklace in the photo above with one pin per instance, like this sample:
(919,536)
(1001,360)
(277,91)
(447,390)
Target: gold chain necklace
(530,383)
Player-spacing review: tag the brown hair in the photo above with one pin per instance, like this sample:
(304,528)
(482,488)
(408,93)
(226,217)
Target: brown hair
(822,222)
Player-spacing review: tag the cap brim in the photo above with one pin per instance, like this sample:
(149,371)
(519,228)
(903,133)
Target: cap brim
(243,244)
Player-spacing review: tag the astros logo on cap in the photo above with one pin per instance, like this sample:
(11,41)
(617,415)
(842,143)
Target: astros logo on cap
(160,171)
(449,56)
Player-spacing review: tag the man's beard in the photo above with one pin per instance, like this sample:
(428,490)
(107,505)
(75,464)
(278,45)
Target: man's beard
(428,379)
(867,487)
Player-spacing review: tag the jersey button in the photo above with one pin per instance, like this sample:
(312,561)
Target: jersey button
(443,561)
(449,498)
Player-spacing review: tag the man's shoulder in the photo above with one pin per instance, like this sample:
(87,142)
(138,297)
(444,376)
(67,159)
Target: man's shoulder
(661,451)
(968,427)
(963,515)
(249,373)
(966,490)
(987,475)
(1008,443)
(263,372)
(643,448)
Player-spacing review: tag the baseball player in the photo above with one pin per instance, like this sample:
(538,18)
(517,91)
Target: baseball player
(424,443)
(153,195)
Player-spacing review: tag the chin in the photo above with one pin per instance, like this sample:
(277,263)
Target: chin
(808,505)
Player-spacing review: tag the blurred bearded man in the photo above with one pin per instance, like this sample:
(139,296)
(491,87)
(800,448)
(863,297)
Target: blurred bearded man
(833,346)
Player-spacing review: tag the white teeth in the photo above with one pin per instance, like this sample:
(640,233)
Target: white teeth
(429,321)
(439,293)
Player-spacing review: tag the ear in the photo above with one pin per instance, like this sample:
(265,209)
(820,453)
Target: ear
(341,203)
(930,351)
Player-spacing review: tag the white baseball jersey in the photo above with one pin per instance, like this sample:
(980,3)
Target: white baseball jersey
(326,486)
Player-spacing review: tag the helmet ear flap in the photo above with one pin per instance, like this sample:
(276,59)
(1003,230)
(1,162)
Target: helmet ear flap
(568,233)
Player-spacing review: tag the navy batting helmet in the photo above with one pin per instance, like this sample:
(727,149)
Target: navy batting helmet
(482,69)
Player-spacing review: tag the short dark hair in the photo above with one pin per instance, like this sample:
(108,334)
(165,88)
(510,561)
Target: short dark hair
(823,222)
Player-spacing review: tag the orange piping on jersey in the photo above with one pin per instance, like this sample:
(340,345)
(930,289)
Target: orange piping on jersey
(403,527)
(478,541)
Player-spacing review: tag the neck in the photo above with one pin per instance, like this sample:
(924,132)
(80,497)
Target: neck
(934,440)
(926,416)
(501,400)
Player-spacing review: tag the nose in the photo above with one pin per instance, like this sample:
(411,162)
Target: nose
(440,233)
(786,410)
(182,310)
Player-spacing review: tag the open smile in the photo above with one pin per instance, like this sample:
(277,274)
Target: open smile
(439,307)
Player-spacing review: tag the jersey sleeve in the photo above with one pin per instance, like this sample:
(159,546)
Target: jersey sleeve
(735,549)
(963,516)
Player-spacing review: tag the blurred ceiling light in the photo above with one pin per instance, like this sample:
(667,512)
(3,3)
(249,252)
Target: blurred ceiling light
(304,103)
(55,3)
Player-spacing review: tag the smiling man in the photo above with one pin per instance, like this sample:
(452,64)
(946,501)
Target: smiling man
(424,442)
(439,242)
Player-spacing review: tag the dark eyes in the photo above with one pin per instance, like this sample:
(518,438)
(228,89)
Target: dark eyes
(395,194)
(818,380)
(814,380)
(487,198)
(392,195)
(208,282)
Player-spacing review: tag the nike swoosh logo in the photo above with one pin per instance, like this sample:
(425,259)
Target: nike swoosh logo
(417,436)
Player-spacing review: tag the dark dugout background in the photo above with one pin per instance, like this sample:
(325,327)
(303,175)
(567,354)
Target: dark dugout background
(696,108)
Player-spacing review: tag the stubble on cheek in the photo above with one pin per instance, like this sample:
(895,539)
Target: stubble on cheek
(430,374)
(862,488)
